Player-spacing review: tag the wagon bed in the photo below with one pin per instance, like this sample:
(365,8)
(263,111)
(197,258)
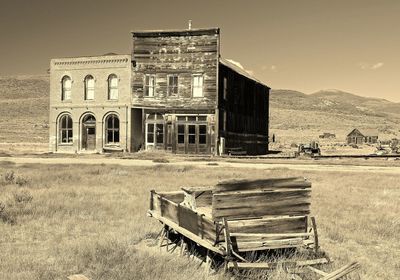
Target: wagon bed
(258,215)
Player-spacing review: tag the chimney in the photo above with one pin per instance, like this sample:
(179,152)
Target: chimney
(190,24)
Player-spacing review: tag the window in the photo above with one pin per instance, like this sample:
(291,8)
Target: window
(202,134)
(181,133)
(197,85)
(89,87)
(149,84)
(172,84)
(155,130)
(112,129)
(192,133)
(65,127)
(66,85)
(225,88)
(112,87)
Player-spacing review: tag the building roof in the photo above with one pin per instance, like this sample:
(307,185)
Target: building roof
(176,32)
(366,132)
(240,70)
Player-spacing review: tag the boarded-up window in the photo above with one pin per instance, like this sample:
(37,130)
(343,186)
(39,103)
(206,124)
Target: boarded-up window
(173,84)
(197,85)
(66,85)
(113,87)
(89,87)
(149,85)
(112,129)
(225,88)
(65,127)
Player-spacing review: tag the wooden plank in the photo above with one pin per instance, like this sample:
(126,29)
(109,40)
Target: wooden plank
(261,203)
(268,244)
(315,232)
(342,271)
(272,183)
(188,219)
(271,265)
(188,234)
(270,225)
(271,235)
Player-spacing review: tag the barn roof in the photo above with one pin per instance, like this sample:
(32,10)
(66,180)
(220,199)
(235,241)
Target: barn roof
(240,71)
(366,132)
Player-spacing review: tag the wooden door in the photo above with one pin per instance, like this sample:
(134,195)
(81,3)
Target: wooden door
(90,138)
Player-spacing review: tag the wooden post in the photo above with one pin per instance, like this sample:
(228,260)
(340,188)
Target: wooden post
(207,265)
(314,226)
(152,200)
(162,235)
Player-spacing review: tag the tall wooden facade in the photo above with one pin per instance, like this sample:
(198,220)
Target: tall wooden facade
(173,92)
(192,101)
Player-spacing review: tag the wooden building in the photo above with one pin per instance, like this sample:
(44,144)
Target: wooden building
(187,99)
(173,92)
(367,136)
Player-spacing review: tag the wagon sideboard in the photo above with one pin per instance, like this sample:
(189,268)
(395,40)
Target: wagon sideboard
(260,214)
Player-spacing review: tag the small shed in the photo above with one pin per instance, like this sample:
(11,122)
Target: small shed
(366,136)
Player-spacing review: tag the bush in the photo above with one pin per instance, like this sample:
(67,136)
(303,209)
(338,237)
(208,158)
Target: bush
(22,181)
(23,197)
(6,216)
(9,177)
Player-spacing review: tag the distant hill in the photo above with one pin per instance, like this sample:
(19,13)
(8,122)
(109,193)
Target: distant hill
(24,109)
(295,116)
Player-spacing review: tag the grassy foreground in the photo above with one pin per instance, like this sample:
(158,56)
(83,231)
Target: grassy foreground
(58,220)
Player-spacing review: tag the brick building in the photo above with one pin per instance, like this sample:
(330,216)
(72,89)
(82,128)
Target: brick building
(174,92)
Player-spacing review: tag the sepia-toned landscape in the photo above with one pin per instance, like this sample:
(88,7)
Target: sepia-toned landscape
(220,140)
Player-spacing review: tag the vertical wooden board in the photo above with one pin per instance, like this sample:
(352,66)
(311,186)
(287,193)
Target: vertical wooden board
(169,210)
(188,219)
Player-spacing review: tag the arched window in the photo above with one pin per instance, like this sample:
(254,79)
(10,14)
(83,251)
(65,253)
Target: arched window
(65,128)
(66,85)
(89,87)
(112,87)
(112,129)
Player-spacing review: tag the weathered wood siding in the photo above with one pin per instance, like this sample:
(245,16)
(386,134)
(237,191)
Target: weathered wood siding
(183,53)
(244,112)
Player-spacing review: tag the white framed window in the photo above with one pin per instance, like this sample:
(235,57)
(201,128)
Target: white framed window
(66,85)
(112,87)
(112,129)
(149,85)
(197,85)
(173,84)
(89,87)
(65,129)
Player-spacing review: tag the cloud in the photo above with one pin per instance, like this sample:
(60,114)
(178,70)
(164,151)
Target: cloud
(273,68)
(370,66)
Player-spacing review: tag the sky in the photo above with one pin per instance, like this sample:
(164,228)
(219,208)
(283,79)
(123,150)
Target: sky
(304,45)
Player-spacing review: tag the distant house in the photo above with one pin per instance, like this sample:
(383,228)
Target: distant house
(367,136)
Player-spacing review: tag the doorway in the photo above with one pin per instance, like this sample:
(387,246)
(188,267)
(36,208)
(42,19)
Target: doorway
(89,133)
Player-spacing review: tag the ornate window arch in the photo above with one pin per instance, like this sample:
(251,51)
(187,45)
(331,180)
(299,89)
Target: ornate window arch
(89,87)
(65,128)
(112,87)
(112,129)
(66,85)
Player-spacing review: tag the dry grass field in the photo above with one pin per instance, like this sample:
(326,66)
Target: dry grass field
(58,220)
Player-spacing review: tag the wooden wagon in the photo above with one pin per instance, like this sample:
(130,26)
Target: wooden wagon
(237,217)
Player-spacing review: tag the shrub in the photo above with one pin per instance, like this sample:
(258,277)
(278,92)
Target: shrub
(9,177)
(23,197)
(6,216)
(22,181)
